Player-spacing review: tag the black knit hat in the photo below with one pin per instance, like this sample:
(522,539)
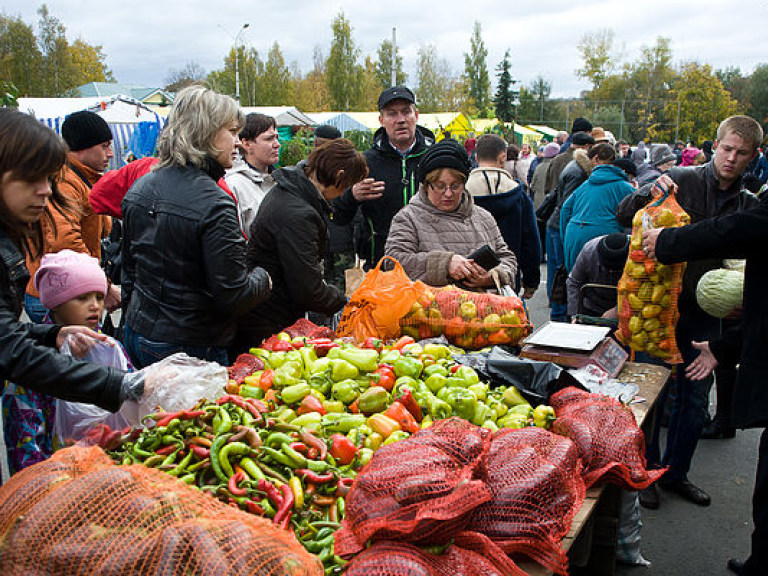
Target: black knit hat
(445,154)
(327,131)
(613,250)
(84,129)
(582,138)
(581,125)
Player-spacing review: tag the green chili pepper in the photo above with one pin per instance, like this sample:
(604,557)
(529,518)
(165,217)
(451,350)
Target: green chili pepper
(341,423)
(181,466)
(234,449)
(252,469)
(215,447)
(222,422)
(278,439)
(391,439)
(277,456)
(297,460)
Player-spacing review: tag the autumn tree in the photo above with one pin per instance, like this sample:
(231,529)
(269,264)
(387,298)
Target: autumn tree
(343,73)
(251,72)
(370,87)
(758,95)
(736,83)
(311,90)
(384,65)
(20,57)
(179,78)
(596,50)
(504,99)
(476,72)
(276,80)
(702,102)
(433,78)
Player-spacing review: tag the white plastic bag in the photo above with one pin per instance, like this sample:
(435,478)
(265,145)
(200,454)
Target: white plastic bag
(176,383)
(74,419)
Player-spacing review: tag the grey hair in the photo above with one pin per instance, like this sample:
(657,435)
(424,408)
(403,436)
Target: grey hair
(196,116)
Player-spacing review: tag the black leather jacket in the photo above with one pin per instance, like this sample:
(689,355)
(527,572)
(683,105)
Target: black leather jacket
(184,274)
(28,356)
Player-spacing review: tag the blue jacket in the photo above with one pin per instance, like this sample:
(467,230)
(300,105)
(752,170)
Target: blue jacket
(591,210)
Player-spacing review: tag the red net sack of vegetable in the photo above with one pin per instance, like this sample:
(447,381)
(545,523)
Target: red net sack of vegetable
(418,490)
(470,554)
(301,328)
(470,320)
(536,489)
(610,444)
(378,304)
(77,513)
(648,291)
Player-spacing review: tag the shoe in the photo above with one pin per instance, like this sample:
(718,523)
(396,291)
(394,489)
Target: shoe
(717,431)
(649,498)
(690,492)
(735,566)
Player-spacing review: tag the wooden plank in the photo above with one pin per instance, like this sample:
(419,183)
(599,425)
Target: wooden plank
(650,379)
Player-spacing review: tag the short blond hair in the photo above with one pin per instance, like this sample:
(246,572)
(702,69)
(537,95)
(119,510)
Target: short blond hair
(196,116)
(745,126)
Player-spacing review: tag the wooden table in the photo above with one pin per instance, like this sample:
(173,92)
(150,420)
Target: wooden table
(650,379)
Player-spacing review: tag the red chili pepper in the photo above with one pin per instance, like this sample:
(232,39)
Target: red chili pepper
(402,342)
(310,403)
(167,449)
(285,523)
(343,486)
(454,368)
(201,452)
(322,345)
(314,477)
(166,417)
(282,346)
(271,491)
(372,343)
(407,400)
(314,442)
(258,404)
(254,508)
(240,402)
(387,377)
(285,509)
(342,449)
(400,414)
(233,487)
(299,447)
(265,382)
(313,453)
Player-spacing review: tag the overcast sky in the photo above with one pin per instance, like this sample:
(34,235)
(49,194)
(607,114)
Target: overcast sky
(144,40)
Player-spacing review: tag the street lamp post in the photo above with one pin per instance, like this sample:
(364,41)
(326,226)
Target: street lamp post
(236,39)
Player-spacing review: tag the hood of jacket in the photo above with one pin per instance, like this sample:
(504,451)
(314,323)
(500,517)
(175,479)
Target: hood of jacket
(424,138)
(607,173)
(421,202)
(490,180)
(581,158)
(295,182)
(244,169)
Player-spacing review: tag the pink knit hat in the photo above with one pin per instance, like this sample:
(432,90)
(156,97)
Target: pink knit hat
(67,274)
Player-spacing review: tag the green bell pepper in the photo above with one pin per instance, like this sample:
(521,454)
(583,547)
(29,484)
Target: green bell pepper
(513,421)
(405,383)
(321,382)
(342,370)
(390,357)
(334,406)
(480,389)
(437,351)
(408,366)
(295,393)
(373,400)
(438,409)
(277,359)
(435,369)
(543,416)
(499,408)
(467,374)
(287,375)
(512,397)
(463,402)
(341,423)
(363,456)
(490,425)
(309,420)
(522,409)
(346,391)
(308,359)
(321,365)
(482,413)
(435,382)
(396,436)
(363,359)
(247,391)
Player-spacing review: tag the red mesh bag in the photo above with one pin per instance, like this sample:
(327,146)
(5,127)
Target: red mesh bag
(648,291)
(77,513)
(610,444)
(301,328)
(419,489)
(536,489)
(470,320)
(245,365)
(470,554)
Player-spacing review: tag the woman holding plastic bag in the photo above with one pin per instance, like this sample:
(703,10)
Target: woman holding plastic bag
(31,157)
(435,233)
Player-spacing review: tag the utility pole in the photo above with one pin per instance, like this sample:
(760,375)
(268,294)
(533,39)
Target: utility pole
(236,40)
(394,56)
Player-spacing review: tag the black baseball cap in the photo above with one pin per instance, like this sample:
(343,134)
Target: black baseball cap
(396,93)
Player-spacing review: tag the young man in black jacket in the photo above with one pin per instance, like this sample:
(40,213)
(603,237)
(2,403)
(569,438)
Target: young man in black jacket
(393,180)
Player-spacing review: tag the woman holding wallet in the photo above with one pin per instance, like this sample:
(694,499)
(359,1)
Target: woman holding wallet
(441,237)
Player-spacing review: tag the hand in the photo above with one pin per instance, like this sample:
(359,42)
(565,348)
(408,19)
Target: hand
(734,314)
(368,189)
(650,237)
(528,293)
(662,185)
(81,339)
(481,281)
(113,299)
(460,268)
(612,313)
(704,363)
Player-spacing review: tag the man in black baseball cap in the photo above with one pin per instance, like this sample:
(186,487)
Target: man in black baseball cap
(393,177)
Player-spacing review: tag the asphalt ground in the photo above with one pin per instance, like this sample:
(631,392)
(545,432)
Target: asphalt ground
(680,538)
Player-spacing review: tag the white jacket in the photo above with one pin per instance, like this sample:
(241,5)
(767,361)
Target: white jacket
(249,187)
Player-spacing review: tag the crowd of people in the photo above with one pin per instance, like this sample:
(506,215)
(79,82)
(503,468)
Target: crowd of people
(207,249)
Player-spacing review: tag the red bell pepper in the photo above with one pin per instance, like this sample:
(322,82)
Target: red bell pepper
(342,449)
(310,403)
(402,342)
(321,345)
(386,377)
(282,346)
(399,413)
(372,343)
(409,402)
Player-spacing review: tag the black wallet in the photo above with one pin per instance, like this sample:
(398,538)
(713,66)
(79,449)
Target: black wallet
(485,257)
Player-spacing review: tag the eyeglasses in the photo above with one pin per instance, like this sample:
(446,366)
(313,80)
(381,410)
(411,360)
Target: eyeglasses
(442,187)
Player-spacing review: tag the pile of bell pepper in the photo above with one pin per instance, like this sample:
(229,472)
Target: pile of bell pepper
(287,440)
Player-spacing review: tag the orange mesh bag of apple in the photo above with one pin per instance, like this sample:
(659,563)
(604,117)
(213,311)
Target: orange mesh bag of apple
(378,304)
(77,513)
(470,320)
(648,290)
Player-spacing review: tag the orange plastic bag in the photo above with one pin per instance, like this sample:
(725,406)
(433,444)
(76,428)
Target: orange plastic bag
(470,320)
(648,291)
(378,304)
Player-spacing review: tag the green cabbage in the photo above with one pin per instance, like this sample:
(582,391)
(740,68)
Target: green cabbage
(720,291)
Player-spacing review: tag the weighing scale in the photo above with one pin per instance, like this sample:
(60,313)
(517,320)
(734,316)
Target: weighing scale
(575,346)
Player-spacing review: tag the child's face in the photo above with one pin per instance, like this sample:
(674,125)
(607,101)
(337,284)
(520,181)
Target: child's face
(84,310)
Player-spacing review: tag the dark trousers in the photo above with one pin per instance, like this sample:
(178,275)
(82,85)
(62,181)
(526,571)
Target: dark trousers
(757,563)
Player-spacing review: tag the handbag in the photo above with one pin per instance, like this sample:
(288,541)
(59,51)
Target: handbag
(559,294)
(547,206)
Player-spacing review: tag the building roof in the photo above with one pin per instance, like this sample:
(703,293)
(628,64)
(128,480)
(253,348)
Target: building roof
(135,91)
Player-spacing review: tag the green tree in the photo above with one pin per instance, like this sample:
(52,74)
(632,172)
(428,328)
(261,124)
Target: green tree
(311,90)
(276,80)
(370,87)
(20,57)
(758,97)
(476,72)
(189,74)
(384,65)
(702,102)
(251,73)
(342,70)
(434,77)
(9,95)
(504,100)
(736,83)
(596,50)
